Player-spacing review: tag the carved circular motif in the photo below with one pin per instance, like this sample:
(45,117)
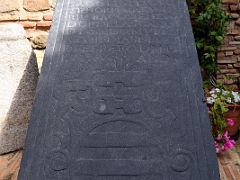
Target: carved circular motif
(181,161)
(58,161)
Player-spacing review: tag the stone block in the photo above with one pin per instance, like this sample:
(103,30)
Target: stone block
(227,48)
(8,17)
(230,1)
(28,24)
(234,7)
(237,52)
(229,53)
(227,61)
(18,79)
(232,32)
(48,17)
(44,24)
(39,40)
(237,38)
(9,5)
(234,15)
(53,3)
(234,42)
(36,5)
(237,22)
(35,17)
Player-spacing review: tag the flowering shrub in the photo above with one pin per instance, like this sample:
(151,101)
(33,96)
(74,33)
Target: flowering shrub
(229,97)
(217,100)
(223,142)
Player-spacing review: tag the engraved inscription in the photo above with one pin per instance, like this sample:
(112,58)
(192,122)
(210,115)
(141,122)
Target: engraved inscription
(114,100)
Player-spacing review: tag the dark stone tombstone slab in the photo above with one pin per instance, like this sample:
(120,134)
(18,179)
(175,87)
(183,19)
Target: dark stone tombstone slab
(120,96)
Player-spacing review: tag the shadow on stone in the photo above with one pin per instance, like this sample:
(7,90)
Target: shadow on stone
(19,75)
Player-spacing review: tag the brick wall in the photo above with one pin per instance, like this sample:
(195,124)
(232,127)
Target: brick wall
(228,57)
(34,15)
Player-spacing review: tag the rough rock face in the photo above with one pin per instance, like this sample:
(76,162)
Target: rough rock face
(8,6)
(18,80)
(39,40)
(36,5)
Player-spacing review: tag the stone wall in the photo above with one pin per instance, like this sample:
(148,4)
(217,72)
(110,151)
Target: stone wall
(18,81)
(228,57)
(34,15)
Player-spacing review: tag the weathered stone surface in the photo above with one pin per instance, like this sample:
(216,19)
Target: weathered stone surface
(44,24)
(237,38)
(36,5)
(227,60)
(120,96)
(8,17)
(18,79)
(234,42)
(237,51)
(53,3)
(230,1)
(9,5)
(39,40)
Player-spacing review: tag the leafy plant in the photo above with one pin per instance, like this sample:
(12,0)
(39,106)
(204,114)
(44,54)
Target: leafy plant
(209,22)
(218,98)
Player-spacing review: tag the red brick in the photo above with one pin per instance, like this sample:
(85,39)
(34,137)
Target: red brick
(35,17)
(227,60)
(237,65)
(237,22)
(23,17)
(222,174)
(229,53)
(30,33)
(234,42)
(9,5)
(233,32)
(221,159)
(228,48)
(220,55)
(230,1)
(27,24)
(237,51)
(9,18)
(48,17)
(234,7)
(234,15)
(36,5)
(44,24)
(224,71)
(228,173)
(235,171)
(237,38)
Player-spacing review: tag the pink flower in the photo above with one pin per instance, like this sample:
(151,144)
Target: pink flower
(229,144)
(223,143)
(219,137)
(230,122)
(216,147)
(218,150)
(226,136)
